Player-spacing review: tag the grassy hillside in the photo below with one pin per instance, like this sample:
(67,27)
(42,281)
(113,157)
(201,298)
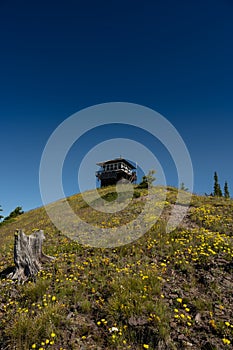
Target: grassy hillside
(163,291)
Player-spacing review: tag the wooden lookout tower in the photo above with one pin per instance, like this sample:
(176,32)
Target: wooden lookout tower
(112,171)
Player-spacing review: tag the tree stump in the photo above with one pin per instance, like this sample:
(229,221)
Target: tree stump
(28,255)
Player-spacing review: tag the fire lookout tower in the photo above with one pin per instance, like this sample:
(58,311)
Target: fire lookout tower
(115,170)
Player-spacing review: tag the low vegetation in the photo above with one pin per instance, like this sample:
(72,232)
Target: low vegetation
(162,291)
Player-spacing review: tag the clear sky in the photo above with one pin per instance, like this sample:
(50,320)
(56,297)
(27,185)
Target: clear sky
(58,57)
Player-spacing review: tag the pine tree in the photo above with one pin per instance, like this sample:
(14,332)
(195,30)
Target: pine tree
(217,188)
(226,191)
(16,212)
(147,180)
(182,187)
(1,216)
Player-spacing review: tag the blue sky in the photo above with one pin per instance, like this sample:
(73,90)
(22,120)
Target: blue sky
(57,58)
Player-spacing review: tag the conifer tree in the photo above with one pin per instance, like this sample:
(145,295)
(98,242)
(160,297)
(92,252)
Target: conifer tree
(226,191)
(16,212)
(217,188)
(147,179)
(1,216)
(183,187)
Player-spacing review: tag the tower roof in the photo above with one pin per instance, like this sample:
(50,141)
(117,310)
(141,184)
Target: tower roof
(117,160)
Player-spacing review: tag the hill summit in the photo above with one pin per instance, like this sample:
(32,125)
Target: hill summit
(163,290)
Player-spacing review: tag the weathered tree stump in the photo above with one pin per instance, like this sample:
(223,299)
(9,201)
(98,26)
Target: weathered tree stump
(28,255)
